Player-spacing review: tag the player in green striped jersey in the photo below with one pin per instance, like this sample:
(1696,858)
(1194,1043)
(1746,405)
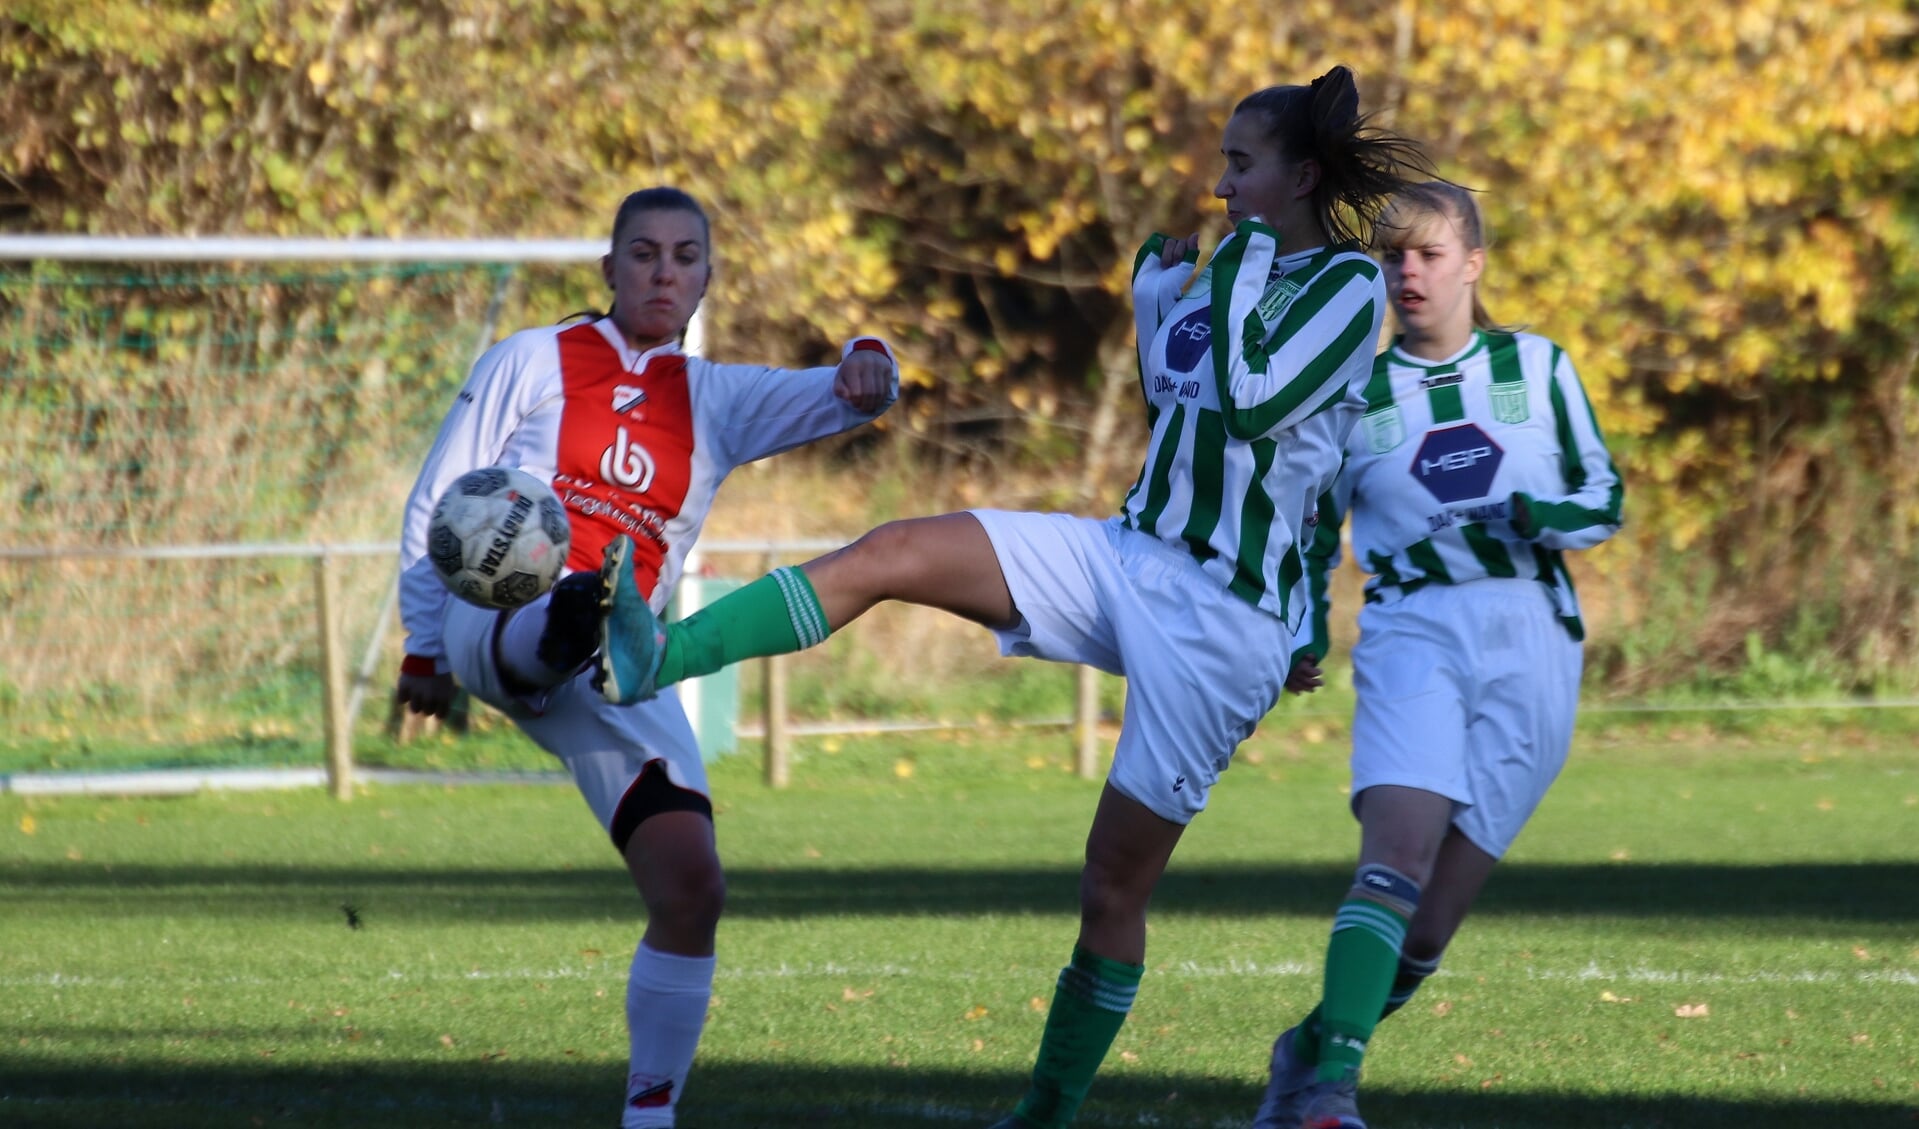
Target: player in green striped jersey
(1476,464)
(1252,371)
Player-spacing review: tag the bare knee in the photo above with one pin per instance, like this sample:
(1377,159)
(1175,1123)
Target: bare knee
(686,899)
(886,559)
(1111,893)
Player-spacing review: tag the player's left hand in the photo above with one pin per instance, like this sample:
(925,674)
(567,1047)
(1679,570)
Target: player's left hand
(1305,677)
(865,380)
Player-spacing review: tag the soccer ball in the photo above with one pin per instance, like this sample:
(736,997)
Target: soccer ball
(498,538)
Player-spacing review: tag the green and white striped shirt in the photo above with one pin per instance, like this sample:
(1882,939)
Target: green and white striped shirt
(1434,468)
(1252,379)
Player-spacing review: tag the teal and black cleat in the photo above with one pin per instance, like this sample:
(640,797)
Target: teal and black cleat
(631,642)
(1291,1083)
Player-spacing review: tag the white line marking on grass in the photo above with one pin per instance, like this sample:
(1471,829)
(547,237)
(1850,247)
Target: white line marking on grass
(1666,976)
(616,970)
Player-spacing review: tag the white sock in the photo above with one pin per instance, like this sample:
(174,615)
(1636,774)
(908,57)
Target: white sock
(666,1000)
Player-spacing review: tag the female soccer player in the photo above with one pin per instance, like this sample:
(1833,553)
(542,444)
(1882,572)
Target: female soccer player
(1251,373)
(635,437)
(1476,464)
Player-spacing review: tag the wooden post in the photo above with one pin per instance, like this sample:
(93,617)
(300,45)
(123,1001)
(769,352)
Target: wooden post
(339,723)
(1086,727)
(773,710)
(778,741)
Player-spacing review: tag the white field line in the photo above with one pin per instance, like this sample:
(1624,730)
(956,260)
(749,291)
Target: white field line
(615,971)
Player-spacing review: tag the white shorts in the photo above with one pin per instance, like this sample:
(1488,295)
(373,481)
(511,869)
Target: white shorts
(1202,666)
(1467,691)
(603,745)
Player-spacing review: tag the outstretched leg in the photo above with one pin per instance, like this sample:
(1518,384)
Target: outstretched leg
(944,562)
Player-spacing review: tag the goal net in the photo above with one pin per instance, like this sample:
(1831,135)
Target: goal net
(183,426)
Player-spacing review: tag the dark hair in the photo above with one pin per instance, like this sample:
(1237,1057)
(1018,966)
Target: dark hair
(1416,205)
(1359,166)
(660,199)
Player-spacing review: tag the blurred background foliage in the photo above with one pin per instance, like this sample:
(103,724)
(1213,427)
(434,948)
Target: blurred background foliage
(1713,207)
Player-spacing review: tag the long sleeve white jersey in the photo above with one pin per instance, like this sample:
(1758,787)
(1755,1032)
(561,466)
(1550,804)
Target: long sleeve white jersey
(633,443)
(1253,376)
(1434,468)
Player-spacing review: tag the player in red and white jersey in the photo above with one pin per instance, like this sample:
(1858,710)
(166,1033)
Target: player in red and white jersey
(635,437)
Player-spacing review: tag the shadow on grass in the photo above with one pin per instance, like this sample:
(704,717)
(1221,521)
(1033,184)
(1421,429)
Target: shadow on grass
(731,1095)
(1778,898)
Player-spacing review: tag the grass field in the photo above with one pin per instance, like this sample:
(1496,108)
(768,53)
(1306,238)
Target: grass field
(1693,933)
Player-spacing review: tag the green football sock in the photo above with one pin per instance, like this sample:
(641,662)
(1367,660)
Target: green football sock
(1411,974)
(775,615)
(1361,961)
(1089,1005)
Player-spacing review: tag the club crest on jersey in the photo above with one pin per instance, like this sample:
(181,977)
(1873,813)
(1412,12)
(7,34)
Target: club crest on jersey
(1278,293)
(1457,464)
(626,464)
(1385,429)
(626,398)
(1189,339)
(1510,402)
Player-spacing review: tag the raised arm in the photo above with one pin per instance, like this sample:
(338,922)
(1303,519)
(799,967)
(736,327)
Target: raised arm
(762,411)
(1278,362)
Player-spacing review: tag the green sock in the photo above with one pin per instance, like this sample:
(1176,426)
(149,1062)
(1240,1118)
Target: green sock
(1411,974)
(1361,961)
(775,615)
(1089,1005)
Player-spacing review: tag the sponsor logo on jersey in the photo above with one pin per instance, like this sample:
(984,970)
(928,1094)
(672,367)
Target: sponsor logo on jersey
(626,398)
(1181,389)
(1189,339)
(1385,429)
(1510,402)
(1441,380)
(627,464)
(1455,464)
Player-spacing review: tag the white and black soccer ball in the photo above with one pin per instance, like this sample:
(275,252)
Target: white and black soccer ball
(498,537)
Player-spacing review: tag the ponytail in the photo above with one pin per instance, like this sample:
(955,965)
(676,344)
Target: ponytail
(1361,166)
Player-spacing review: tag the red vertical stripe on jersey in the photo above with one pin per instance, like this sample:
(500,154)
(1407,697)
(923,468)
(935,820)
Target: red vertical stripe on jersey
(625,455)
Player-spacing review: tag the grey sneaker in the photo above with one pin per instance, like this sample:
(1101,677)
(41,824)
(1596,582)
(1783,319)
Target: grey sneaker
(1333,1105)
(631,642)
(1284,1105)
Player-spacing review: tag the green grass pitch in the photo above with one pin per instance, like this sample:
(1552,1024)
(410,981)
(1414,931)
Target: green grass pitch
(1692,933)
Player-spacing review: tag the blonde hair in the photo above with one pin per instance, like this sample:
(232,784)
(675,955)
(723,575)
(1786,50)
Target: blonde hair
(1414,207)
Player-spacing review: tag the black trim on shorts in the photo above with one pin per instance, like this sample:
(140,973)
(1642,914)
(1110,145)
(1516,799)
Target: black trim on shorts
(651,793)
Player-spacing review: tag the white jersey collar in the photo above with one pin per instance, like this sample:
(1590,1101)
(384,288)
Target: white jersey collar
(632,359)
(1473,345)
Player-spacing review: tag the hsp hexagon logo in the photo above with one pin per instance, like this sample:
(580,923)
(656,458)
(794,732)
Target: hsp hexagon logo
(1457,464)
(1186,342)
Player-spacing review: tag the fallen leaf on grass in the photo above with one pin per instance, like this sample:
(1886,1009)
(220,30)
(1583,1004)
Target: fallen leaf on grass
(1692,1011)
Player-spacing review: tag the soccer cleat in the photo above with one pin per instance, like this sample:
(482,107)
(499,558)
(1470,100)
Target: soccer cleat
(631,642)
(1333,1105)
(1284,1104)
